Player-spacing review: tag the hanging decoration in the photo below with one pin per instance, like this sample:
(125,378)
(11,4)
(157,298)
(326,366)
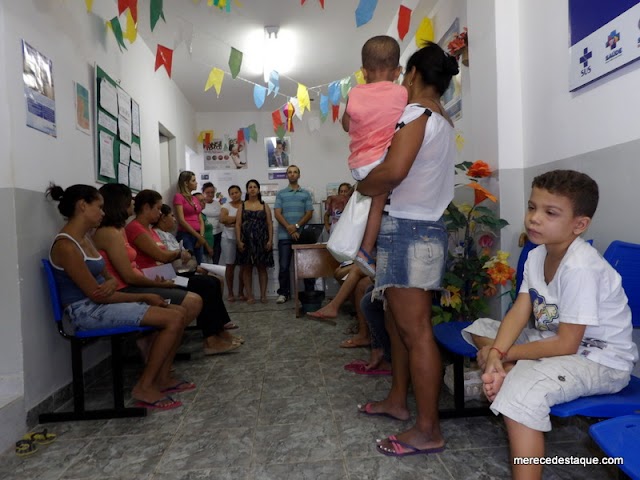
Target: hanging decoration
(215,80)
(89,4)
(364,11)
(303,98)
(259,95)
(253,133)
(277,119)
(132,5)
(131,31)
(334,92)
(404,20)
(240,136)
(324,106)
(235,62)
(274,83)
(164,56)
(359,74)
(114,25)
(297,110)
(156,13)
(459,141)
(425,32)
(288,111)
(205,137)
(335,110)
(345,86)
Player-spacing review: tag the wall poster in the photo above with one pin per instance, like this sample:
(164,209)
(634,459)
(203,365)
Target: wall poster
(37,75)
(452,98)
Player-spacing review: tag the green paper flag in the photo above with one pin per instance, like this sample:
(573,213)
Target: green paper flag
(156,13)
(253,133)
(235,62)
(280,131)
(345,86)
(117,32)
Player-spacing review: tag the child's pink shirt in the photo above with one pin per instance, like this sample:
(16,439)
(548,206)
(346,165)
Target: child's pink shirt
(374,109)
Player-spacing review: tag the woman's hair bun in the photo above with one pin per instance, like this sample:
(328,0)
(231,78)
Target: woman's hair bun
(55,192)
(451,66)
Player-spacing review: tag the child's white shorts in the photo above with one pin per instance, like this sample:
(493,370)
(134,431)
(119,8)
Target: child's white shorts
(532,387)
(362,172)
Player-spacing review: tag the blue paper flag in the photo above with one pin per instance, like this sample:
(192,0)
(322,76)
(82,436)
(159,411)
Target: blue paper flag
(247,134)
(324,105)
(274,83)
(364,12)
(334,92)
(259,94)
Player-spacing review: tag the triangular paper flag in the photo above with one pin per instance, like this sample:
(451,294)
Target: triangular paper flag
(324,105)
(297,109)
(303,98)
(131,32)
(277,119)
(301,2)
(334,92)
(335,110)
(404,20)
(114,24)
(247,133)
(215,80)
(235,62)
(280,131)
(89,4)
(254,132)
(323,118)
(164,56)
(313,123)
(259,95)
(274,83)
(424,33)
(359,77)
(459,141)
(208,137)
(240,136)
(322,4)
(364,12)
(132,5)
(184,33)
(345,86)
(156,13)
(203,134)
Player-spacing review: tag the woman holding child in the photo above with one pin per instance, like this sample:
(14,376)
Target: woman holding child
(412,246)
(91,300)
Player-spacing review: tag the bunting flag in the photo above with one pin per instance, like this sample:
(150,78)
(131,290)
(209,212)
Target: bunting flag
(277,119)
(253,132)
(235,62)
(322,4)
(205,137)
(303,98)
(89,4)
(364,12)
(132,5)
(259,95)
(297,110)
(424,33)
(288,111)
(215,80)
(280,131)
(313,124)
(334,92)
(114,25)
(164,56)
(345,86)
(324,106)
(335,110)
(359,74)
(240,137)
(459,141)
(274,83)
(404,20)
(247,133)
(156,13)
(301,2)
(183,33)
(131,31)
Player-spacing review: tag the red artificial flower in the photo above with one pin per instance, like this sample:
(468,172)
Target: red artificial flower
(479,169)
(481,193)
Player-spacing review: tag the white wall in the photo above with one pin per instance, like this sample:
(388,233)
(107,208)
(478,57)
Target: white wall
(73,40)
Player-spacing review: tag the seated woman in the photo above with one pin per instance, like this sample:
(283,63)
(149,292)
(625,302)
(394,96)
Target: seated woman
(152,252)
(120,257)
(254,234)
(90,298)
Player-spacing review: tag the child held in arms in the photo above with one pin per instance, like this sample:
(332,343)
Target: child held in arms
(581,344)
(373,109)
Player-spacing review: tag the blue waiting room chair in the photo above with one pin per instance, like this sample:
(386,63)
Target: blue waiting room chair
(620,437)
(78,340)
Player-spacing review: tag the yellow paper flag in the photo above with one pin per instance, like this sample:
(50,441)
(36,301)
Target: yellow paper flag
(210,3)
(215,80)
(89,5)
(237,2)
(131,32)
(222,3)
(108,24)
(303,98)
(359,77)
(204,134)
(459,141)
(424,32)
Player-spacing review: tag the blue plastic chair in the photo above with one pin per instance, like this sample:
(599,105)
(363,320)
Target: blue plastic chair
(620,437)
(625,258)
(78,340)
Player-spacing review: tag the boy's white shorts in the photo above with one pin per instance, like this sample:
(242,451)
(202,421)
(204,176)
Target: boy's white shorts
(532,387)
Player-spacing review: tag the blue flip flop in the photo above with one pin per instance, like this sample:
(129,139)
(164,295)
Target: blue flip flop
(401,449)
(366,264)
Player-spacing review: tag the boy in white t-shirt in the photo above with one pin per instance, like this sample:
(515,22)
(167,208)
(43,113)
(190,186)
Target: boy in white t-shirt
(581,344)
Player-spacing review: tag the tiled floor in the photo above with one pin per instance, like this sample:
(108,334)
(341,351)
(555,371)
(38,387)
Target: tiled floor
(282,407)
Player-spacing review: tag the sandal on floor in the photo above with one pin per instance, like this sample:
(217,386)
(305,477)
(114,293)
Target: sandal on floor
(158,404)
(349,343)
(182,386)
(216,351)
(230,326)
(43,437)
(25,448)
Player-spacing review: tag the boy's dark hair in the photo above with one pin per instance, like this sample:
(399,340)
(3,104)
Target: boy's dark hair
(233,186)
(145,197)
(579,188)
(380,53)
(434,66)
(68,198)
(165,209)
(117,198)
(207,185)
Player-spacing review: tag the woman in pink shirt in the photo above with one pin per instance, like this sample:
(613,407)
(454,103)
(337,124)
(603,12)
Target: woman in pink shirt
(187,210)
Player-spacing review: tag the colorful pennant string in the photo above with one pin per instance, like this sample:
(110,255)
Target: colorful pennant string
(425,32)
(404,20)
(364,11)
(156,13)
(259,95)
(215,80)
(164,56)
(235,62)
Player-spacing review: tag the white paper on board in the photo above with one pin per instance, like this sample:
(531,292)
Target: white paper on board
(106,155)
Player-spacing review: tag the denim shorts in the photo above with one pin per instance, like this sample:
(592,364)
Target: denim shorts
(411,254)
(88,315)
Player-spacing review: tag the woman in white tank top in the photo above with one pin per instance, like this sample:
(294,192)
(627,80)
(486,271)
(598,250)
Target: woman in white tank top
(228,256)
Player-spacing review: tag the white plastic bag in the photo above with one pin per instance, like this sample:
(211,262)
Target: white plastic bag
(344,242)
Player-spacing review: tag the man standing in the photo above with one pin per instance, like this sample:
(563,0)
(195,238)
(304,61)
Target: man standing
(293,209)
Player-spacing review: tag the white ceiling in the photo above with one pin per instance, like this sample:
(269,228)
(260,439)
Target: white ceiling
(325,45)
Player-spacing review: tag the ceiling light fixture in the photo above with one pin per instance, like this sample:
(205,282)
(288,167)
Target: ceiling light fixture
(271,53)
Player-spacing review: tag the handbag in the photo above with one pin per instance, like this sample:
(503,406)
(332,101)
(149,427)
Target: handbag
(347,234)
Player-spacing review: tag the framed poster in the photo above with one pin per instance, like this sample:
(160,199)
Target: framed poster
(224,154)
(37,75)
(277,152)
(452,98)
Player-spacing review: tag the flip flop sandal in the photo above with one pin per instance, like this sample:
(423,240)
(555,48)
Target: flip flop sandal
(183,386)
(25,448)
(43,437)
(230,326)
(349,343)
(361,370)
(366,410)
(367,264)
(355,365)
(402,449)
(157,404)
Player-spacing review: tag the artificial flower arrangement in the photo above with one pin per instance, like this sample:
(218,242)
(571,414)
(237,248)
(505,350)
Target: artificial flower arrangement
(473,273)
(458,46)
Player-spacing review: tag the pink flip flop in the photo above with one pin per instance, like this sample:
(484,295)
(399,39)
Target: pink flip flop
(156,405)
(355,365)
(361,370)
(183,386)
